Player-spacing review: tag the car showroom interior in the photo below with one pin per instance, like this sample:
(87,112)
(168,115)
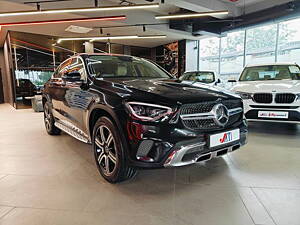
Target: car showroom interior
(150,112)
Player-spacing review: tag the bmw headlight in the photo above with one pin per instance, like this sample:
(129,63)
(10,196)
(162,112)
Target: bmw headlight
(148,112)
(298,97)
(244,95)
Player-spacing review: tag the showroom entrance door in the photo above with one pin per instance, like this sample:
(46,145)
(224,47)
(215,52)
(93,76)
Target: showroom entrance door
(1,89)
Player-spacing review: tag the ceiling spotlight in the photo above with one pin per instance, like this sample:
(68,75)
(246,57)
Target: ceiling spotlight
(77,10)
(192,15)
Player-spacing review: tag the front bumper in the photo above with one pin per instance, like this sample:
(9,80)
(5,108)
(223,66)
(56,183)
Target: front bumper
(187,149)
(252,108)
(199,151)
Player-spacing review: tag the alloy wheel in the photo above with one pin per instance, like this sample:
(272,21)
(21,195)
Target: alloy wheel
(47,117)
(106,150)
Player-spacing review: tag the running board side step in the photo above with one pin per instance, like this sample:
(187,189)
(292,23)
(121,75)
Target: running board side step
(71,132)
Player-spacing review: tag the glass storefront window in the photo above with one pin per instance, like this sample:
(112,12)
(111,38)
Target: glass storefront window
(261,44)
(289,41)
(260,48)
(209,54)
(232,55)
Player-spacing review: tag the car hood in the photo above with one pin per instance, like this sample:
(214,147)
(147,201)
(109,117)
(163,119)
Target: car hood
(289,86)
(167,91)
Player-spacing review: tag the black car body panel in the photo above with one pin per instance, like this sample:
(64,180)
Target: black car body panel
(77,104)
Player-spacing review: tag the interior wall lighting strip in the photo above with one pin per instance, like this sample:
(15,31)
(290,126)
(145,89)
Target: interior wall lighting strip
(192,15)
(64,21)
(79,10)
(152,36)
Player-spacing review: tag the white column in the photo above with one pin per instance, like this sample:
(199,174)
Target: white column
(89,47)
(191,55)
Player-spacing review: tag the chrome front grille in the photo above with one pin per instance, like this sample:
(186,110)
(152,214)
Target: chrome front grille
(199,116)
(200,124)
(263,97)
(285,98)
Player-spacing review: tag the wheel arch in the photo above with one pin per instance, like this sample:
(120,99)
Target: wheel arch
(45,98)
(98,112)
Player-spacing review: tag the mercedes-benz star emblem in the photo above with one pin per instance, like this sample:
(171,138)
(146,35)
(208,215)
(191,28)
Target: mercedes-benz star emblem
(221,114)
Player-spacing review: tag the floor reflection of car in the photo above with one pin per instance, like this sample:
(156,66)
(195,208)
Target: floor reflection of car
(270,92)
(25,88)
(202,77)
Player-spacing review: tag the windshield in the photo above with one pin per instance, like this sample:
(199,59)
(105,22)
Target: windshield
(106,66)
(282,72)
(203,77)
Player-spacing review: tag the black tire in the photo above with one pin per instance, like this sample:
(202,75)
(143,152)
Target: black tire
(109,152)
(49,120)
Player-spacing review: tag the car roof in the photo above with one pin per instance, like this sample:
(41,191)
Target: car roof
(272,64)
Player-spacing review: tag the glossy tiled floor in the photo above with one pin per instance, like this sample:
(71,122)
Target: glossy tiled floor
(53,180)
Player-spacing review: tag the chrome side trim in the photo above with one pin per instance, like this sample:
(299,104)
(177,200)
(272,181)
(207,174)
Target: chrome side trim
(72,131)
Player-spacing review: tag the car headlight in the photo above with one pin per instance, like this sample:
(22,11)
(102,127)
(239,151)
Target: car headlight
(244,95)
(298,97)
(148,112)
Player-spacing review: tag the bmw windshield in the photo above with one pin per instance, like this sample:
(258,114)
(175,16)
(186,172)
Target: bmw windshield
(272,72)
(203,77)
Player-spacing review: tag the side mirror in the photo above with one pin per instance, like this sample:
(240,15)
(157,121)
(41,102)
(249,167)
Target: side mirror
(232,81)
(218,82)
(73,76)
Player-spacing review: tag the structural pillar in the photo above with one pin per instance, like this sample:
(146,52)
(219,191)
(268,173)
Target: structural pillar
(89,47)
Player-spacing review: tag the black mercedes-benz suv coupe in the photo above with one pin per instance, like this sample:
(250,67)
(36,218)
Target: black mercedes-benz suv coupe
(136,115)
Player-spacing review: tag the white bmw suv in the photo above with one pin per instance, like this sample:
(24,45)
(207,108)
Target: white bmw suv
(270,92)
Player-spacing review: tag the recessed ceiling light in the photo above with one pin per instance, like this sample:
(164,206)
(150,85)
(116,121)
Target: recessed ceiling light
(76,10)
(78,29)
(192,15)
